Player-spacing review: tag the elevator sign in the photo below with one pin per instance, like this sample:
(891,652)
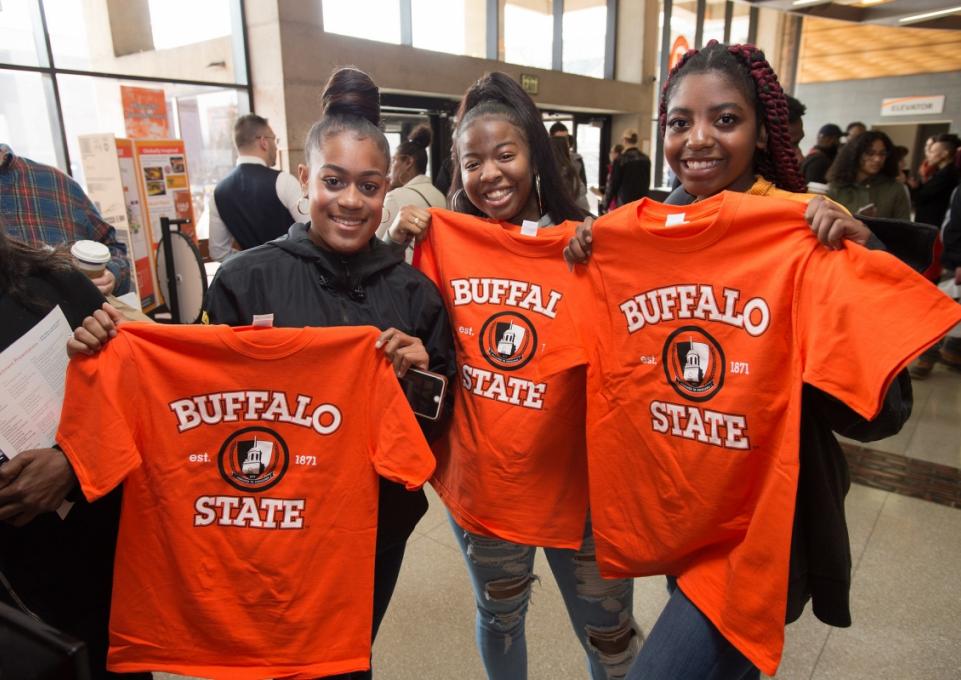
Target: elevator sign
(912,106)
(530,84)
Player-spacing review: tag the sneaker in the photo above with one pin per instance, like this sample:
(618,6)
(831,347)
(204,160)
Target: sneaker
(921,368)
(950,357)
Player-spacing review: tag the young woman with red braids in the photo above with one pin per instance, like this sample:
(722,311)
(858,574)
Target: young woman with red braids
(724,119)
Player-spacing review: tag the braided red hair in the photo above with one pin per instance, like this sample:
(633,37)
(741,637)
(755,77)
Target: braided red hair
(746,65)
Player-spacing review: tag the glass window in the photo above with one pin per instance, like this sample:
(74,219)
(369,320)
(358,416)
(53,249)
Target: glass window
(714,21)
(203,116)
(585,37)
(371,19)
(21,39)
(683,29)
(208,20)
(27,119)
(589,147)
(527,32)
(740,23)
(183,39)
(452,26)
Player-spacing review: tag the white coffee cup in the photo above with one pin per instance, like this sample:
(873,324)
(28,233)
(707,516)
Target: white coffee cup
(90,257)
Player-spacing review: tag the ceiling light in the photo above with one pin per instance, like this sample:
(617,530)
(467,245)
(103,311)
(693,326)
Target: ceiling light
(913,19)
(805,3)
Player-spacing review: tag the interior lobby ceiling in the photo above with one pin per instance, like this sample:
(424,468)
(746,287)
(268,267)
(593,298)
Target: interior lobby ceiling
(943,14)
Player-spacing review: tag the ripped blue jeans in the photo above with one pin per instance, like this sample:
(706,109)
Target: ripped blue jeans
(502,574)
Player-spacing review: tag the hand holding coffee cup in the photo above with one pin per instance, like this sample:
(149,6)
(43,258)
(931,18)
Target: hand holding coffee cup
(90,257)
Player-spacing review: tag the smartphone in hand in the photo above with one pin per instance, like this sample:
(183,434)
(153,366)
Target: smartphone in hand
(425,392)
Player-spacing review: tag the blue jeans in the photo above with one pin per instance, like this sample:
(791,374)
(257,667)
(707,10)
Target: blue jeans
(685,645)
(600,610)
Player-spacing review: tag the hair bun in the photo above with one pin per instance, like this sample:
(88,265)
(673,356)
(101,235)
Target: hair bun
(420,136)
(494,86)
(351,92)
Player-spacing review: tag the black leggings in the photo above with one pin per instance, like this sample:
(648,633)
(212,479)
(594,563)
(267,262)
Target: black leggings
(387,564)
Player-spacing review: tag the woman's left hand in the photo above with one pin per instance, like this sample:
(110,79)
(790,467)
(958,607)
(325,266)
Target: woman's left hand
(832,225)
(403,351)
(34,482)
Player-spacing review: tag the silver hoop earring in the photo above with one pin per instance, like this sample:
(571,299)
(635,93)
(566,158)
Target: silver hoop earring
(537,187)
(301,210)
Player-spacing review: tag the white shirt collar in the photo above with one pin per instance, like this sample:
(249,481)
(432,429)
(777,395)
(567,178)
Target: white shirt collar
(251,159)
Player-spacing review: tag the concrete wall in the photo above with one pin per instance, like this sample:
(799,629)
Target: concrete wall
(308,55)
(117,30)
(846,101)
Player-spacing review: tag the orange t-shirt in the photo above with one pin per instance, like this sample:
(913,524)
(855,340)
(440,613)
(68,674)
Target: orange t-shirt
(250,463)
(512,464)
(700,324)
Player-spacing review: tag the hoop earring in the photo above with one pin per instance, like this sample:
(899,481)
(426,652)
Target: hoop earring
(537,187)
(301,210)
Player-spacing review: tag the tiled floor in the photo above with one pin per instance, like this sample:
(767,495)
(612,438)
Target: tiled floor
(934,431)
(906,595)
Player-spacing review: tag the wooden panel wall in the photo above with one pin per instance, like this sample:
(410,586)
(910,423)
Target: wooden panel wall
(840,50)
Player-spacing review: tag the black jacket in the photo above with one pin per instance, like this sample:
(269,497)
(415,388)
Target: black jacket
(820,567)
(951,233)
(816,164)
(62,569)
(931,199)
(630,177)
(303,285)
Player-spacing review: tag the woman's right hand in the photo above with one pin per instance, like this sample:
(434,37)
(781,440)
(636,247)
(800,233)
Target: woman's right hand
(91,336)
(578,250)
(411,223)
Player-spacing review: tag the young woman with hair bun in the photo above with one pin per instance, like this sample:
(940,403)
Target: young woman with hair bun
(409,183)
(514,478)
(331,270)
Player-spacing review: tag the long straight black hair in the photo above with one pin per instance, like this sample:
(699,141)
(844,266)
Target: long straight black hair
(496,94)
(19,260)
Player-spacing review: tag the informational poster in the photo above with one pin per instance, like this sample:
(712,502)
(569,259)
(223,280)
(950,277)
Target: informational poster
(162,168)
(101,170)
(140,236)
(144,112)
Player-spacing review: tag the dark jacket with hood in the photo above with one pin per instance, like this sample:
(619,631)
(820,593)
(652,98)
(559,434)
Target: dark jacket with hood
(820,567)
(816,163)
(303,285)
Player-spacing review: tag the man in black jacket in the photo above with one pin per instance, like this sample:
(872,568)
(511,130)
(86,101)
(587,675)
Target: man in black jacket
(816,163)
(630,174)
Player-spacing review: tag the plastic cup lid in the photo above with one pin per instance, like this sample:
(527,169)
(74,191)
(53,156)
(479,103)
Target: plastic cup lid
(91,252)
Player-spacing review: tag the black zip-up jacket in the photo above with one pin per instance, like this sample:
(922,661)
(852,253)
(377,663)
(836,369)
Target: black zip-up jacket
(820,567)
(931,199)
(951,233)
(304,285)
(630,177)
